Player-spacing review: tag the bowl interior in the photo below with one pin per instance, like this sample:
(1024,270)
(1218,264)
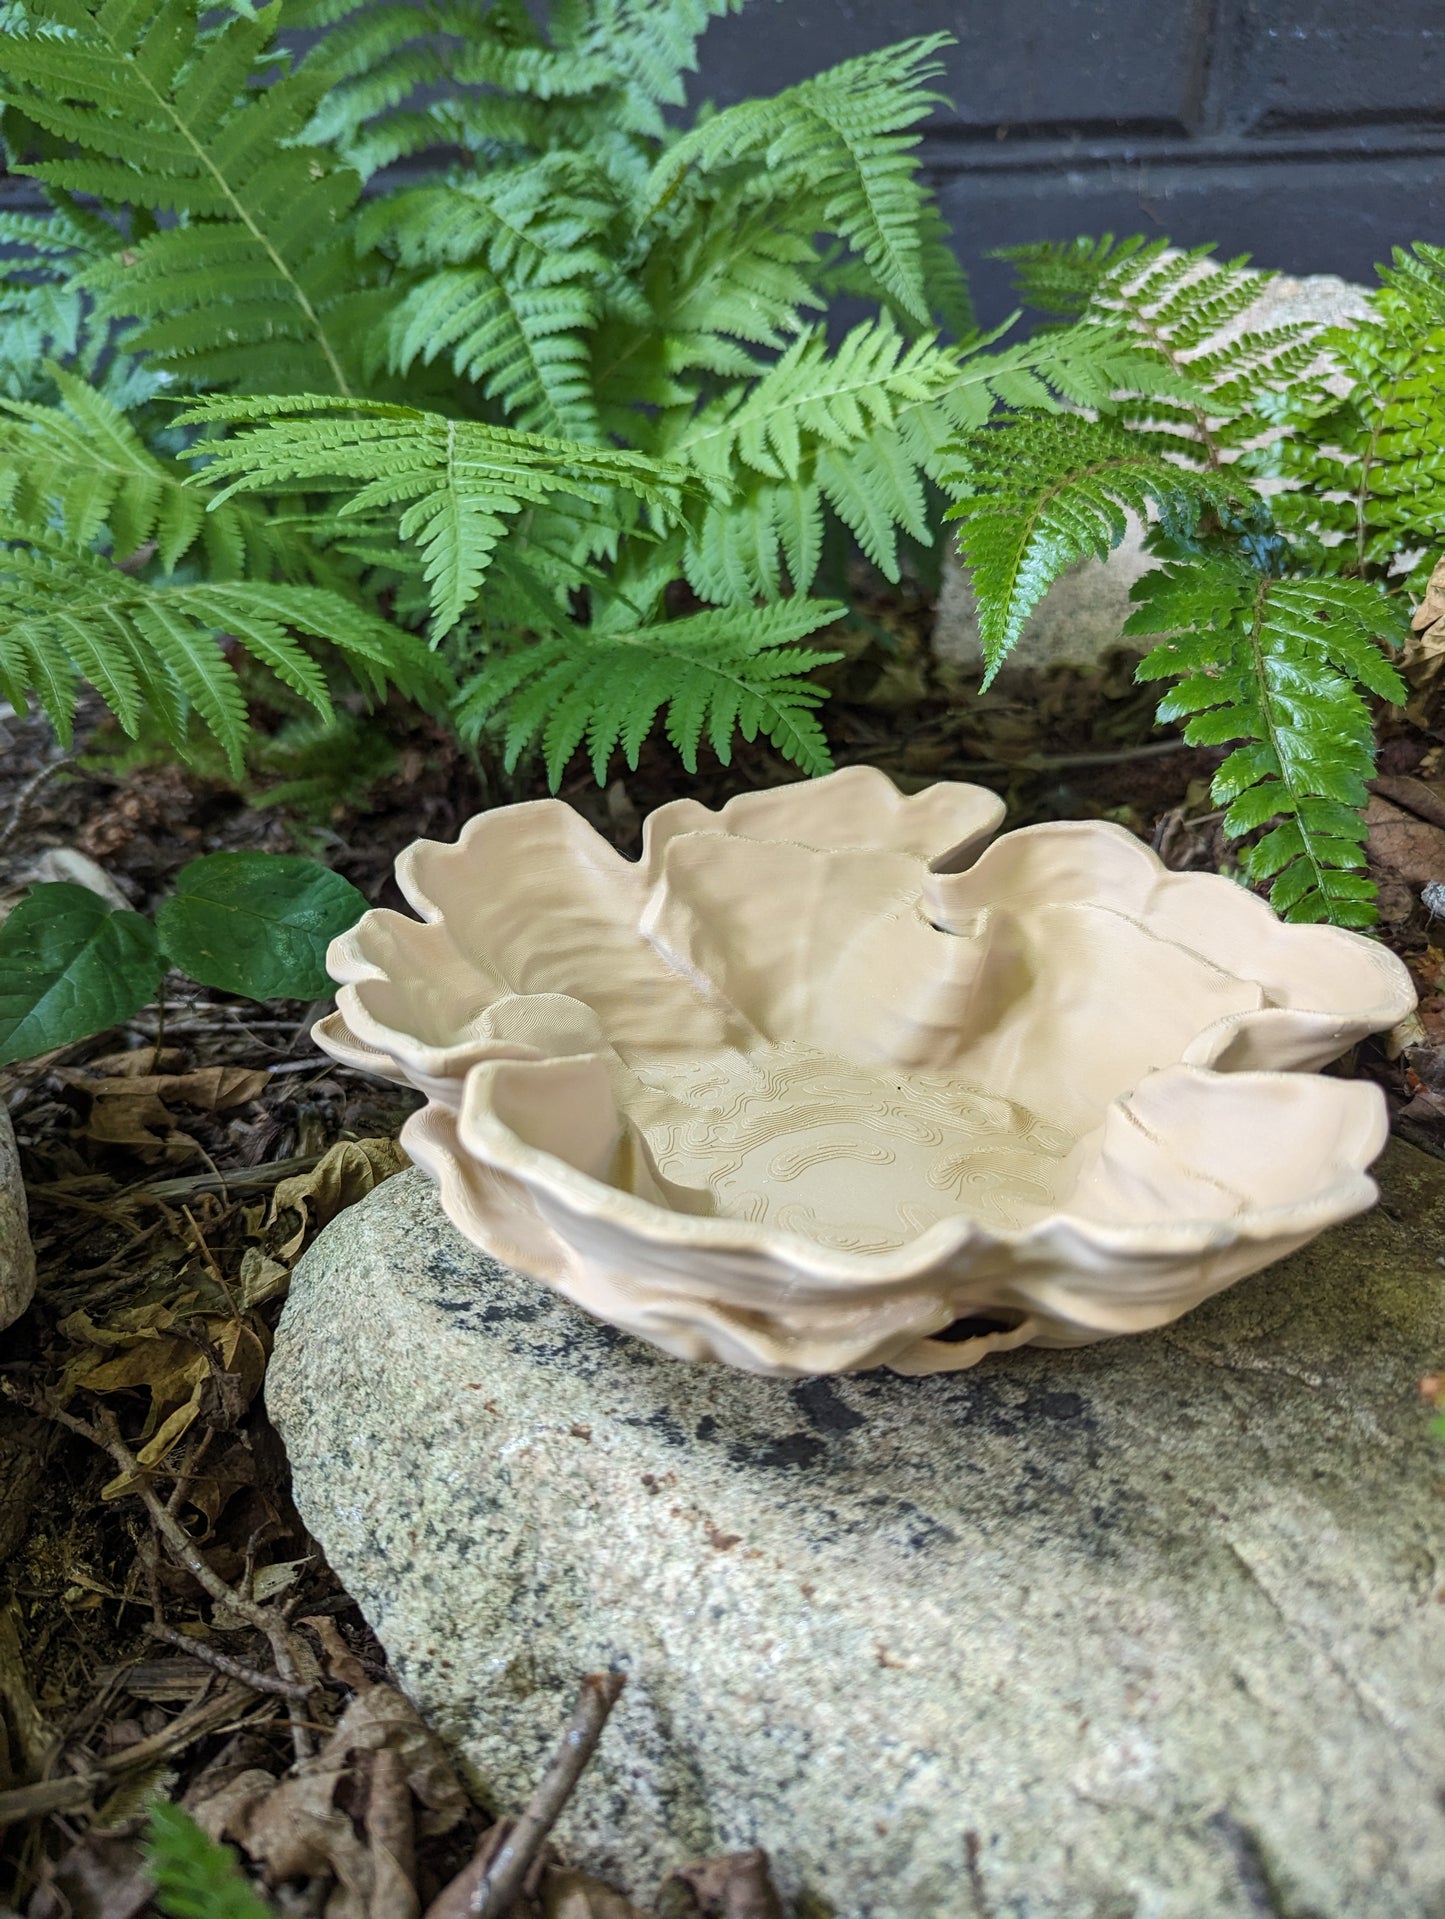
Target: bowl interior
(854,1157)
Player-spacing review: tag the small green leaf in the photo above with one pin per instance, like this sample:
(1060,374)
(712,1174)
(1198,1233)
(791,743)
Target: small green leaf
(70,966)
(196,1878)
(257,924)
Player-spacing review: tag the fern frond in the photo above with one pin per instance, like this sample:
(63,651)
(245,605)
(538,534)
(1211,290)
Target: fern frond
(1365,472)
(859,431)
(649,45)
(768,442)
(1037,493)
(1280,666)
(1180,307)
(523,346)
(729,670)
(849,127)
(738,272)
(383,61)
(543,218)
(1062,276)
(483,77)
(455,484)
(516,300)
(82,469)
(44,316)
(195,1878)
(153,647)
(250,282)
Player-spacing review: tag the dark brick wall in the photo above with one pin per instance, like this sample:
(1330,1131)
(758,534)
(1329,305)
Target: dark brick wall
(1309,133)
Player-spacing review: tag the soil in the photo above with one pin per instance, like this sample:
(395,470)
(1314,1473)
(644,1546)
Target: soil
(166,1216)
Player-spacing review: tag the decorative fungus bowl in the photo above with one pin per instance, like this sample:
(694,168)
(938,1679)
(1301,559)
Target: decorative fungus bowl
(824,1073)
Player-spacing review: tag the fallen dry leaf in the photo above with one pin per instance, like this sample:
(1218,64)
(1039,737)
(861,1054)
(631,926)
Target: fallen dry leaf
(737,1885)
(128,1101)
(100,1877)
(189,1364)
(1423,659)
(339,1178)
(137,1062)
(261,1279)
(68,863)
(574,1895)
(1404,844)
(268,1583)
(306,1825)
(1424,798)
(217,1806)
(1432,608)
(342,1663)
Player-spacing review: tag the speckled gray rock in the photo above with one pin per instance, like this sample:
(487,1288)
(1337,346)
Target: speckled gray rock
(1150,1628)
(17,1256)
(1081,619)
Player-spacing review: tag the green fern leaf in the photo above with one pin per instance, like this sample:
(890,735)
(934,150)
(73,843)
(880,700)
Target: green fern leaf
(1180,308)
(1280,666)
(858,431)
(849,127)
(194,1877)
(1365,473)
(456,483)
(1038,493)
(649,45)
(524,346)
(731,669)
(1062,277)
(166,114)
(82,468)
(152,648)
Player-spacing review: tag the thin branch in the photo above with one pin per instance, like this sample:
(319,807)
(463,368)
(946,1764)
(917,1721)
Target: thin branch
(21,803)
(504,1877)
(188,1469)
(73,1790)
(232,1668)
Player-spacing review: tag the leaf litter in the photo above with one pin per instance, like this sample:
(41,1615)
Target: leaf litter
(167,1629)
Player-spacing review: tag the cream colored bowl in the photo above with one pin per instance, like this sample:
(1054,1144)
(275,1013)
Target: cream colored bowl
(822,1074)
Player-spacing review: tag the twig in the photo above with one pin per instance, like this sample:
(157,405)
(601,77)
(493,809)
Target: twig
(74,1789)
(1056,762)
(502,1882)
(201,1016)
(454,1900)
(220,1182)
(187,1471)
(20,805)
(182,1548)
(116,1259)
(210,1260)
(232,1668)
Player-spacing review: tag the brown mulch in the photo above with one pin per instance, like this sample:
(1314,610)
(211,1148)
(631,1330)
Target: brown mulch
(178,1167)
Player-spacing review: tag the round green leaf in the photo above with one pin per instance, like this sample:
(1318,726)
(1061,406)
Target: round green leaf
(257,924)
(70,966)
